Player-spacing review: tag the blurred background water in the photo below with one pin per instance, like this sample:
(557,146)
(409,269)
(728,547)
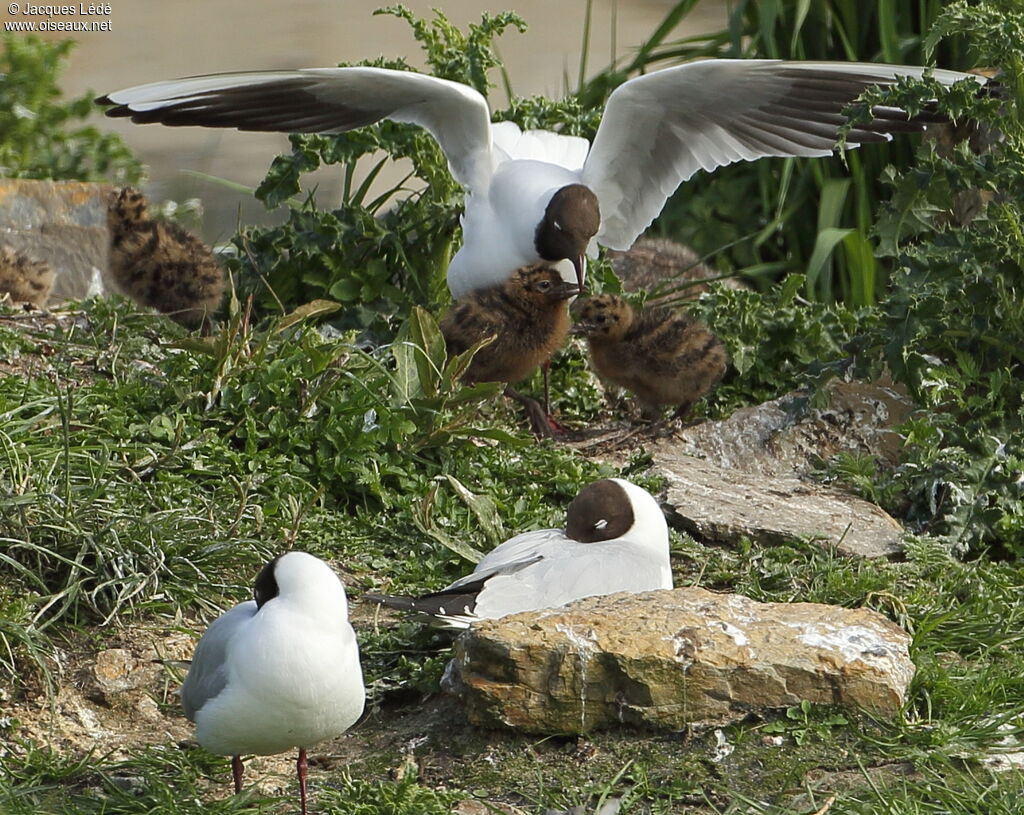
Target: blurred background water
(151,40)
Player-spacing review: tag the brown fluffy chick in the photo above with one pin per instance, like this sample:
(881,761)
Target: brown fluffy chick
(24,280)
(528,317)
(159,264)
(664,357)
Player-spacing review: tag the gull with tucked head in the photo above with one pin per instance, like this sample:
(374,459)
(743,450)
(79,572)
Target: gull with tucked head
(615,539)
(279,671)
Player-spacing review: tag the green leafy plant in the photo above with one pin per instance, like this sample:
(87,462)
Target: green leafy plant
(41,136)
(805,721)
(951,329)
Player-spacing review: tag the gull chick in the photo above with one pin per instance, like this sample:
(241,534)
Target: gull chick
(159,264)
(24,280)
(279,671)
(542,197)
(529,318)
(615,539)
(664,357)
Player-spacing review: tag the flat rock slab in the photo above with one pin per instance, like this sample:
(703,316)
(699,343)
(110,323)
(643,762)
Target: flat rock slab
(724,504)
(675,658)
(788,436)
(63,223)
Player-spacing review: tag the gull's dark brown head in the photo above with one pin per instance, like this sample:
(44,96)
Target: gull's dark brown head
(265,587)
(570,221)
(604,317)
(602,511)
(541,284)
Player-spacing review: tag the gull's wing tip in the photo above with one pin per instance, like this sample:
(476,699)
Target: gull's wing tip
(115,110)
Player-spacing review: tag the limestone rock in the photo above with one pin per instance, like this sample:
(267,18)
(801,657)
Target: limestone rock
(117,671)
(724,504)
(788,436)
(63,223)
(127,679)
(675,658)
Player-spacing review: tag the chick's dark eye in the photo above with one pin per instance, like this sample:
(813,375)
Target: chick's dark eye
(544,285)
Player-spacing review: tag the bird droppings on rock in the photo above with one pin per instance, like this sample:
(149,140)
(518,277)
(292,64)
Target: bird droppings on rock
(672,659)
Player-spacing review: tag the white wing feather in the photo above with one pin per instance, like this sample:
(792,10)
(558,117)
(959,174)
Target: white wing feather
(512,143)
(661,128)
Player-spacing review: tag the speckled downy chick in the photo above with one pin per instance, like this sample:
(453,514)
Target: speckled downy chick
(159,264)
(529,318)
(24,280)
(664,357)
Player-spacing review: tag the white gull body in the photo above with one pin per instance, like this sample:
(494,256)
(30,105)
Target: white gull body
(615,539)
(278,672)
(658,130)
(507,216)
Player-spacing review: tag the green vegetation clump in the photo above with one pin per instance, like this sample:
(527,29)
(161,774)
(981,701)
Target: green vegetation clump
(175,465)
(40,134)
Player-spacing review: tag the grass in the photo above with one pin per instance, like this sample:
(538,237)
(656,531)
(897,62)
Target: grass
(133,499)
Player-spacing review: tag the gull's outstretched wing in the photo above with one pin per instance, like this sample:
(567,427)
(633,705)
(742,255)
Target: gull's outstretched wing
(324,100)
(661,128)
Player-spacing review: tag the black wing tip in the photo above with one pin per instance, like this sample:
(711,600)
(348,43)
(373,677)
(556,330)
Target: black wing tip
(114,110)
(439,605)
(390,600)
(119,112)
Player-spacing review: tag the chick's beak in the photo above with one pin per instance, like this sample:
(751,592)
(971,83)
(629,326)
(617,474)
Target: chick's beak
(564,291)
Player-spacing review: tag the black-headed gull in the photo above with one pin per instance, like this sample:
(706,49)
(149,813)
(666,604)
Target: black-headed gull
(539,196)
(277,672)
(615,539)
